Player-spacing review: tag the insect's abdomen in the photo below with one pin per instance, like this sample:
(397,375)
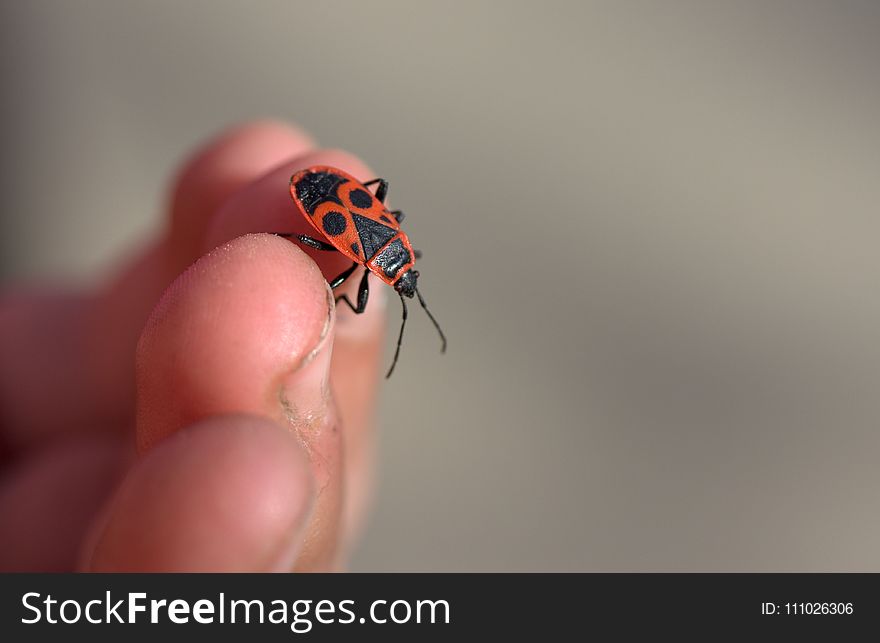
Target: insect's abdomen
(394,259)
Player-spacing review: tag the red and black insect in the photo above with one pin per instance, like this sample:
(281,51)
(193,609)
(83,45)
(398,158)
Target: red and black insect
(357,224)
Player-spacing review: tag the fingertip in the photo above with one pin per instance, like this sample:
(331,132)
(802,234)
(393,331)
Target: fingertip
(249,329)
(230,493)
(48,499)
(226,332)
(223,165)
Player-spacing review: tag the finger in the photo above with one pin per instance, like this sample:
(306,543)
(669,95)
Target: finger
(231,493)
(78,349)
(266,205)
(42,363)
(355,376)
(48,500)
(248,328)
(222,167)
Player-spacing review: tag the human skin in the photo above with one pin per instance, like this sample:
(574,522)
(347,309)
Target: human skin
(207,408)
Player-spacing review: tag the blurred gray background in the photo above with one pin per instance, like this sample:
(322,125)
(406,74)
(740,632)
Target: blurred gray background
(650,232)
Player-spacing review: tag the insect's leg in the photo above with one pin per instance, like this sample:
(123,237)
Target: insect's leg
(307,240)
(399,339)
(381,191)
(417,253)
(398,215)
(345,274)
(315,243)
(363,294)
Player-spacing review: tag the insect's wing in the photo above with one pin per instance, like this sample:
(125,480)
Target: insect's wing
(374,224)
(343,211)
(359,200)
(337,224)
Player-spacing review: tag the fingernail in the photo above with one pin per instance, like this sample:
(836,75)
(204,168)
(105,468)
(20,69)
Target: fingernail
(305,392)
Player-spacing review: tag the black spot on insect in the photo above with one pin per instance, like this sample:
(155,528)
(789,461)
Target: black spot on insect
(334,223)
(317,187)
(355,248)
(360,198)
(384,218)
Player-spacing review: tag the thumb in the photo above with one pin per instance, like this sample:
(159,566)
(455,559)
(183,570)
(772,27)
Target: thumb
(247,329)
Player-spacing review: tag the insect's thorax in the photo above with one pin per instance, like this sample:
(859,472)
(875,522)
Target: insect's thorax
(355,222)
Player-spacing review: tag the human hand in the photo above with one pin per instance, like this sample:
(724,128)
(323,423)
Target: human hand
(219,371)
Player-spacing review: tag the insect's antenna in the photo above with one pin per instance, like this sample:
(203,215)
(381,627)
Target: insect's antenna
(399,339)
(436,325)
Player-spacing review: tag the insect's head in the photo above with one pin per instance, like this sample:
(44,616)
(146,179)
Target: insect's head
(407,283)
